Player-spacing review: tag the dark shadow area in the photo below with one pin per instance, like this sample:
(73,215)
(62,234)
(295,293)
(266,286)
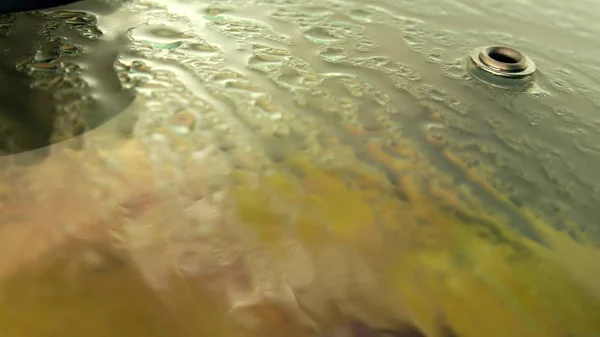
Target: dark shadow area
(26,114)
(11,6)
(46,62)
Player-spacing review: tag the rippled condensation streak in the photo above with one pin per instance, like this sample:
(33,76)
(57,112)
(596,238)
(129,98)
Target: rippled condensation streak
(389,96)
(374,93)
(446,47)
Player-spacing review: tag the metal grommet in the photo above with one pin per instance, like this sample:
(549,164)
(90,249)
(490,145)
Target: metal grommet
(503,61)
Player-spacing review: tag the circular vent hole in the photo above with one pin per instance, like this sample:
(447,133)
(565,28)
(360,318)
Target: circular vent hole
(505,55)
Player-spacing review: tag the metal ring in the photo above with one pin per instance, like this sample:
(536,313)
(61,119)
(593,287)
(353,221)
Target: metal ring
(503,61)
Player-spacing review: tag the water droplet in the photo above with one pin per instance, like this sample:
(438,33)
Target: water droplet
(321,35)
(257,63)
(365,46)
(361,14)
(437,95)
(214,9)
(268,109)
(560,85)
(333,55)
(201,48)
(159,36)
(457,72)
(44,66)
(74,18)
(183,122)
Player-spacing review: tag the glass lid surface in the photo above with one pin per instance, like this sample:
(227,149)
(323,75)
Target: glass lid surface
(330,168)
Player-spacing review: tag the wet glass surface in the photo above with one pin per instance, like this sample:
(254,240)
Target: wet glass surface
(298,168)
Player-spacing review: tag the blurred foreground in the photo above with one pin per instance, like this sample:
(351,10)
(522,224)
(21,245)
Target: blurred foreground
(161,249)
(279,168)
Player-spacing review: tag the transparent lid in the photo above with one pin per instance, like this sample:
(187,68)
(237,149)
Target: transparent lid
(300,168)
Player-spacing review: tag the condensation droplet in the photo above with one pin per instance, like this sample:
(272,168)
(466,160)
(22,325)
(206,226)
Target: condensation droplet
(183,122)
